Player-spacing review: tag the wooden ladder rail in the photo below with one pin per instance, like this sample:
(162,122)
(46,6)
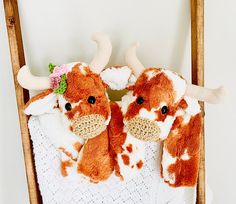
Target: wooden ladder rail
(197,44)
(22,95)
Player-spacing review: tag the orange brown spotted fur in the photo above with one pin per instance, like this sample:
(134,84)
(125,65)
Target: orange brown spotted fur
(183,140)
(96,162)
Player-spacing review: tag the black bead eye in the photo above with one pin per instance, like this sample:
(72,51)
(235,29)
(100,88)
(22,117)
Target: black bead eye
(164,110)
(91,99)
(68,106)
(140,100)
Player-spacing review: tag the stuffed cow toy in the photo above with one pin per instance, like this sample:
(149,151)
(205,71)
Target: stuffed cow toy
(76,93)
(98,138)
(159,106)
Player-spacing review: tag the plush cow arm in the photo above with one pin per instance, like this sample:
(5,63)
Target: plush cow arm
(43,102)
(181,149)
(95,160)
(127,151)
(67,143)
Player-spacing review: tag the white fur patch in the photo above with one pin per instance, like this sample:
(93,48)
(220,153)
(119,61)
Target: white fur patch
(137,154)
(178,83)
(165,126)
(144,113)
(193,106)
(185,155)
(151,73)
(108,120)
(71,65)
(58,134)
(41,106)
(116,78)
(81,67)
(167,160)
(126,100)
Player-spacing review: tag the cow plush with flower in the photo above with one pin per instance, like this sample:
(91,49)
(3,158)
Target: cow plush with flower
(76,93)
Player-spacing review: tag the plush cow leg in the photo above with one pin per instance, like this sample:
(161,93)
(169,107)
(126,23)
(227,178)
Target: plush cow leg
(95,160)
(180,157)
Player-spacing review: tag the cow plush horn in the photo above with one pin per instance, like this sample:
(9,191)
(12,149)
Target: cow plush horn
(205,94)
(103,54)
(132,60)
(197,92)
(31,82)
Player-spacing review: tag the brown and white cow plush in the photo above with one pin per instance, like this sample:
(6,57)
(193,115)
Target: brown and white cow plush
(160,106)
(77,95)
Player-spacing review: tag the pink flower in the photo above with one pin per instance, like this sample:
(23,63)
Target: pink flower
(55,77)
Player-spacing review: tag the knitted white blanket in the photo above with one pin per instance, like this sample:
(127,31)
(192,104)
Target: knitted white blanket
(147,187)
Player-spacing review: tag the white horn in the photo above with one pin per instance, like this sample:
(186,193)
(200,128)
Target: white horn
(31,82)
(203,94)
(103,54)
(132,60)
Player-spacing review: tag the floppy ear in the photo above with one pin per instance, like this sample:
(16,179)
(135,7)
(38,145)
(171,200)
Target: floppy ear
(181,149)
(41,103)
(118,78)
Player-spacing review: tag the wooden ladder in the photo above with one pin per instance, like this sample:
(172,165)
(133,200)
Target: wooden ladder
(22,95)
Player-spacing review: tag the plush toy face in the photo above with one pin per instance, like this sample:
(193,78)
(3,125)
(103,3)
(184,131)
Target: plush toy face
(154,100)
(84,104)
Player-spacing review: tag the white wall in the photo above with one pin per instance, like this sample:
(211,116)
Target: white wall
(59,32)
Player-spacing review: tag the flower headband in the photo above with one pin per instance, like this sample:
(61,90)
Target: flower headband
(58,77)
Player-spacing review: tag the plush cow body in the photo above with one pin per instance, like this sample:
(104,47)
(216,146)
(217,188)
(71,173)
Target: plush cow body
(84,120)
(76,99)
(145,120)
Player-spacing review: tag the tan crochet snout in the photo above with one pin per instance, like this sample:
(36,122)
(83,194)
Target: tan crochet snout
(144,129)
(88,126)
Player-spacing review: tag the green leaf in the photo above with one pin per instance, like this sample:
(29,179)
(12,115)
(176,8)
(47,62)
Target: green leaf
(51,67)
(62,86)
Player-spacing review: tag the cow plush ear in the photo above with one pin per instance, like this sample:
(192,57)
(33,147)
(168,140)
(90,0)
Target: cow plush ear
(118,78)
(181,149)
(41,103)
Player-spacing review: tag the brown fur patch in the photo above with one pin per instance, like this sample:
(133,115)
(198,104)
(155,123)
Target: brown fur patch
(77,146)
(38,96)
(129,148)
(96,161)
(186,171)
(64,165)
(116,135)
(186,139)
(154,91)
(139,164)
(67,153)
(177,122)
(125,159)
(80,87)
(183,104)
